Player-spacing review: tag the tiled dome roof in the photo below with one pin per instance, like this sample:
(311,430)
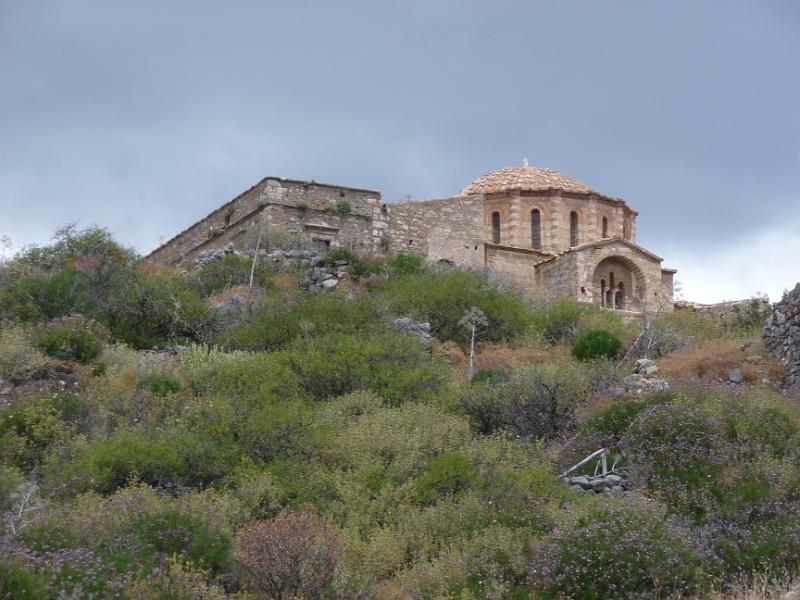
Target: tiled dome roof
(524,178)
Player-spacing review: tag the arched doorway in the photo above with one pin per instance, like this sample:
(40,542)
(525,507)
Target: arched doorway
(618,284)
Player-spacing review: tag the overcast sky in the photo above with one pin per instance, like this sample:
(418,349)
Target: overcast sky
(144,116)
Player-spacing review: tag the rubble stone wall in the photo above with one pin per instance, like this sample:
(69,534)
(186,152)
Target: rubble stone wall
(782,333)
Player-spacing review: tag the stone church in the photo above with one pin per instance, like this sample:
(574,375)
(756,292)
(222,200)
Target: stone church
(550,235)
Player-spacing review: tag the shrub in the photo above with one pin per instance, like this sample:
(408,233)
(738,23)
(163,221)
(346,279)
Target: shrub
(164,459)
(679,451)
(343,207)
(488,376)
(621,549)
(31,431)
(613,422)
(20,583)
(277,325)
(596,344)
(175,533)
(20,361)
(444,474)
(406,264)
(71,338)
(230,271)
(395,367)
(292,556)
(160,384)
(442,298)
(534,402)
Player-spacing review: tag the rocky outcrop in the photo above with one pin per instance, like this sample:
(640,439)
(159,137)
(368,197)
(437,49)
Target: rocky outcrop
(782,333)
(610,483)
(728,311)
(421,330)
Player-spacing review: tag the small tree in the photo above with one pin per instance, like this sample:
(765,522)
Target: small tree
(291,556)
(473,319)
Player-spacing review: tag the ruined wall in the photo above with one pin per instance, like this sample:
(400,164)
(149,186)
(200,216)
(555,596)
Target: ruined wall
(449,229)
(515,266)
(782,333)
(319,201)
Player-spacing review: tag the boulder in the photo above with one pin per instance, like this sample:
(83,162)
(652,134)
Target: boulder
(421,330)
(735,376)
(330,284)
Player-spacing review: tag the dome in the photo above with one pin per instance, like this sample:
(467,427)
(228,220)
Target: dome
(524,178)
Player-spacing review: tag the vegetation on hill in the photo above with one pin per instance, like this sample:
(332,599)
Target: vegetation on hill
(302,446)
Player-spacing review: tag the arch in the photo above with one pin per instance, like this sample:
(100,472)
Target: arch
(573,229)
(618,283)
(495,227)
(536,229)
(605,227)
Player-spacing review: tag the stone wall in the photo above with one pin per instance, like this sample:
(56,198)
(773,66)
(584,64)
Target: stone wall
(516,266)
(297,200)
(449,229)
(782,333)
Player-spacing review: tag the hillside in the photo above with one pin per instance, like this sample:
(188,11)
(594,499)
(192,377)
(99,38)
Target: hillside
(306,426)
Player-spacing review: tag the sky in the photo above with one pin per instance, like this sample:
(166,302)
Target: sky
(144,116)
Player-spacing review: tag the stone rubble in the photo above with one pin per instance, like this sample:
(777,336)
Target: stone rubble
(782,333)
(611,483)
(421,330)
(642,381)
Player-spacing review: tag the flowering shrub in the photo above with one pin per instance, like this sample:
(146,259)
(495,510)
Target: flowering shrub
(445,474)
(679,449)
(292,556)
(623,548)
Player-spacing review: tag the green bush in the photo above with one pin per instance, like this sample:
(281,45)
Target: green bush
(30,431)
(534,402)
(395,367)
(231,270)
(343,207)
(442,298)
(596,344)
(406,264)
(444,474)
(176,533)
(488,376)
(613,422)
(622,549)
(277,325)
(169,459)
(20,583)
(68,342)
(159,384)
(567,320)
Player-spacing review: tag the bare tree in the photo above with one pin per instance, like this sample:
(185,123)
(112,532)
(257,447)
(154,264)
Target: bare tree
(473,320)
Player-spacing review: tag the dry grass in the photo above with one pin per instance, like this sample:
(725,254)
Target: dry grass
(761,589)
(496,356)
(712,359)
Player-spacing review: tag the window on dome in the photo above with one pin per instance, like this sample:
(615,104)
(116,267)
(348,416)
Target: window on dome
(495,227)
(536,229)
(573,228)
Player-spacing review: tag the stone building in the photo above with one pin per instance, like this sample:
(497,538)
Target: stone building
(549,234)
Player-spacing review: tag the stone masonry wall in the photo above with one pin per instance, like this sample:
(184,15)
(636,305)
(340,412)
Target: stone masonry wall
(514,265)
(280,195)
(782,333)
(449,229)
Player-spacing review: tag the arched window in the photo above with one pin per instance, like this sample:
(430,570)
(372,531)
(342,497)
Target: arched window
(536,229)
(605,227)
(495,227)
(573,228)
(625,229)
(620,298)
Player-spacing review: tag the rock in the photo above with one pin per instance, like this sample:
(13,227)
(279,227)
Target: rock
(581,480)
(639,385)
(617,489)
(578,488)
(230,248)
(613,479)
(753,360)
(651,370)
(316,261)
(421,330)
(736,376)
(340,263)
(642,364)
(330,284)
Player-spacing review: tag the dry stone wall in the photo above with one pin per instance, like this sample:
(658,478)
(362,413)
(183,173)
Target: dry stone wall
(782,333)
